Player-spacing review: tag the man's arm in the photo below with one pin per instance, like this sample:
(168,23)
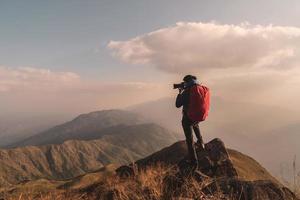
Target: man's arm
(179,100)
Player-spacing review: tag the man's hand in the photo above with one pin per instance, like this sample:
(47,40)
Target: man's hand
(180,90)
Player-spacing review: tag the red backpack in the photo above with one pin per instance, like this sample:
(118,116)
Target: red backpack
(199,102)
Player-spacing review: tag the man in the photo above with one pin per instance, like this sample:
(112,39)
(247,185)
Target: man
(187,124)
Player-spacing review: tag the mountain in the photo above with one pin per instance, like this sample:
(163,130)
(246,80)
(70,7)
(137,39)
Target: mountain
(18,126)
(118,144)
(84,127)
(225,174)
(68,158)
(34,188)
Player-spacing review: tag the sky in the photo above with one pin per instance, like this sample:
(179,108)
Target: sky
(84,55)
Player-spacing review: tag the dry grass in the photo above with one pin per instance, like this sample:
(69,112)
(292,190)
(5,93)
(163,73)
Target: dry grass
(150,184)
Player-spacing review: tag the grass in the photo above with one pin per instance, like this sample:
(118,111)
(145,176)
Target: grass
(157,182)
(149,184)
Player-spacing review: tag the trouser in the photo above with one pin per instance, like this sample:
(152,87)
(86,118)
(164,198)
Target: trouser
(188,127)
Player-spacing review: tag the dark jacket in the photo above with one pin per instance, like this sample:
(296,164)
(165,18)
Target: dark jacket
(183,100)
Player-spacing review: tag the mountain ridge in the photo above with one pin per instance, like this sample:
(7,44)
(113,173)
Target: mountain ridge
(75,157)
(81,126)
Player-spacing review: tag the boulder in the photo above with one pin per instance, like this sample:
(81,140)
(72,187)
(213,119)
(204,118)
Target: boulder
(214,161)
(234,175)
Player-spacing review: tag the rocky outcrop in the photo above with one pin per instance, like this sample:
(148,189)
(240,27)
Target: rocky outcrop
(215,164)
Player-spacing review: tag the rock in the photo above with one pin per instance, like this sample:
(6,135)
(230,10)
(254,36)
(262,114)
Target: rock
(250,190)
(228,179)
(216,150)
(215,162)
(170,155)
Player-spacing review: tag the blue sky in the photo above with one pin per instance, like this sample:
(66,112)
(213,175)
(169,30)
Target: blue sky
(61,49)
(72,35)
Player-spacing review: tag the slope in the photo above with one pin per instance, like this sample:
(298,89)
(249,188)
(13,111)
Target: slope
(75,157)
(84,127)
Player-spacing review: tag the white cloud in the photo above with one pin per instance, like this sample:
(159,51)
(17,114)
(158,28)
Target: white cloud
(29,78)
(202,46)
(42,90)
(240,62)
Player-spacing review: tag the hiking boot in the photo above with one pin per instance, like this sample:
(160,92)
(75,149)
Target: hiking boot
(200,145)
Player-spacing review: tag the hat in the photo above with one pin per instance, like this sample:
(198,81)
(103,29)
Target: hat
(188,78)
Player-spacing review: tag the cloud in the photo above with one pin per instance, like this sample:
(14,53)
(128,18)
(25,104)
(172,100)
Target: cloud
(28,89)
(240,62)
(193,47)
(39,79)
(29,78)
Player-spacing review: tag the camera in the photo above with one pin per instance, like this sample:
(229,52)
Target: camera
(178,85)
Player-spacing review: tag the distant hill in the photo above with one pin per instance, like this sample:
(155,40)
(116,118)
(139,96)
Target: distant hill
(34,188)
(15,127)
(84,127)
(118,144)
